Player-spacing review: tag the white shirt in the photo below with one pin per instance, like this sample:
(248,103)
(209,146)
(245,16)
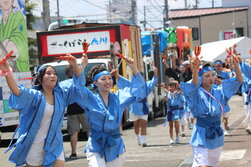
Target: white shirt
(35,156)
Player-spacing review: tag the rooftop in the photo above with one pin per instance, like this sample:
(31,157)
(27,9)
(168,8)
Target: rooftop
(175,14)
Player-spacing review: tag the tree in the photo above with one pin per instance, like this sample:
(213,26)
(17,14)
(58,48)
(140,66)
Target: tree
(32,42)
(29,16)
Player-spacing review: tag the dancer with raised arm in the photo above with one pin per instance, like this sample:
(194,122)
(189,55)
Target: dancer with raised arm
(207,103)
(139,110)
(104,111)
(40,140)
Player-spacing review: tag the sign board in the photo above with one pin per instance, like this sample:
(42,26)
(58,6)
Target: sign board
(8,116)
(229,35)
(72,42)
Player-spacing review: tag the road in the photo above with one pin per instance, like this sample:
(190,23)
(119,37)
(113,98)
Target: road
(236,152)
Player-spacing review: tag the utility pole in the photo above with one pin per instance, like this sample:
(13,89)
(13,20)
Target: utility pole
(212,3)
(185,4)
(109,12)
(196,4)
(46,14)
(144,24)
(166,18)
(58,15)
(134,13)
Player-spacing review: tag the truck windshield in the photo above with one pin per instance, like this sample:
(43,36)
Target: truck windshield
(61,70)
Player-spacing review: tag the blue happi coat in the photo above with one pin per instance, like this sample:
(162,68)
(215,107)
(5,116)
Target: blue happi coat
(175,105)
(31,104)
(105,120)
(140,107)
(208,132)
(246,70)
(224,74)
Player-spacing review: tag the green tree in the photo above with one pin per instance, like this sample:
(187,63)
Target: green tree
(29,16)
(32,42)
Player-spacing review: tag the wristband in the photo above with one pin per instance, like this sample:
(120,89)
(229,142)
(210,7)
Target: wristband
(6,73)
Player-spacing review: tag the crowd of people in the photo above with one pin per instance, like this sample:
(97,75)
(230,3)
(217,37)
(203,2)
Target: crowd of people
(197,93)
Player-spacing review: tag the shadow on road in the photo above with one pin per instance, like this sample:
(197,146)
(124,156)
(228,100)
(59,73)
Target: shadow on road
(6,142)
(156,122)
(82,136)
(67,159)
(236,141)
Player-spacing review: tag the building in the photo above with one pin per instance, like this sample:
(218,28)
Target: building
(234,3)
(210,24)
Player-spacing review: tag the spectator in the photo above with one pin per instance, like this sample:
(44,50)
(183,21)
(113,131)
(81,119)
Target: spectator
(185,74)
(218,65)
(172,72)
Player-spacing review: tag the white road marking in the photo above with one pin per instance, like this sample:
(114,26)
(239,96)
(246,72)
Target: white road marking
(232,154)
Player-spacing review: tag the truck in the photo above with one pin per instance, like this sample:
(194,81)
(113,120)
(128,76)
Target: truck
(105,40)
(158,45)
(179,41)
(153,47)
(13,37)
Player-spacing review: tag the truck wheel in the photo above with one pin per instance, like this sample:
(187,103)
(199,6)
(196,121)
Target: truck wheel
(155,110)
(163,107)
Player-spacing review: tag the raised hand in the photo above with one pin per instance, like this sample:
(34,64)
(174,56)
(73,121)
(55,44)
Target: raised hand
(114,72)
(194,62)
(71,59)
(119,55)
(85,46)
(6,57)
(84,59)
(155,71)
(4,66)
(129,61)
(232,53)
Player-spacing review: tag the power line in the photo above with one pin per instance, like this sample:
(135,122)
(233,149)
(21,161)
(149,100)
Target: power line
(158,4)
(154,4)
(93,4)
(151,12)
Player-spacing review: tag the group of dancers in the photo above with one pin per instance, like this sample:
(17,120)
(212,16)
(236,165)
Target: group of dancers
(40,141)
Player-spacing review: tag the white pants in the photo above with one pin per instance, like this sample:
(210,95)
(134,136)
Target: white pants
(34,159)
(249,115)
(95,160)
(244,98)
(203,156)
(134,117)
(225,114)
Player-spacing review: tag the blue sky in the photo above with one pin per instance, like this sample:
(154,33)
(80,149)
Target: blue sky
(97,9)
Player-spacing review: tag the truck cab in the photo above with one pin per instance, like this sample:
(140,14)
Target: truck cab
(105,40)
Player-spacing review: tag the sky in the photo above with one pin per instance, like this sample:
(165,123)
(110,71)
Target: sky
(97,9)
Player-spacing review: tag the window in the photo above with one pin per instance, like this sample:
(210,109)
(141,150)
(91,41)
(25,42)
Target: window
(239,31)
(195,34)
